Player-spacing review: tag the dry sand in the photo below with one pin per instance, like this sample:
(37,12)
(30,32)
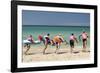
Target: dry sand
(63,54)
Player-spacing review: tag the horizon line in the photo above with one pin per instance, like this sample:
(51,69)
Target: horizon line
(54,25)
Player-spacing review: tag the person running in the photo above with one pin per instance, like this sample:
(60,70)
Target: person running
(40,37)
(57,40)
(28,42)
(84,40)
(47,42)
(30,38)
(72,40)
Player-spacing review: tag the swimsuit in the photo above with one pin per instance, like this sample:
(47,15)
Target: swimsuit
(84,36)
(84,40)
(71,43)
(72,38)
(30,39)
(47,40)
(40,38)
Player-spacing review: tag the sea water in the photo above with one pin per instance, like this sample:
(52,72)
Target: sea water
(65,31)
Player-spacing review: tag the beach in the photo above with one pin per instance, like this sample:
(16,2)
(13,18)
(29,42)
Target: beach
(35,54)
(36,23)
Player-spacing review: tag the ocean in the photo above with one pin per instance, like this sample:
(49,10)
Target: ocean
(65,31)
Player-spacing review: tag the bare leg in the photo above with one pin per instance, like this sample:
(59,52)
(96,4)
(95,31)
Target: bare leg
(71,50)
(25,45)
(28,47)
(84,45)
(66,42)
(43,42)
(57,47)
(45,48)
(71,46)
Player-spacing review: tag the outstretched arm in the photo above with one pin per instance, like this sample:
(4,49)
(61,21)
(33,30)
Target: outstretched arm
(80,37)
(76,40)
(87,36)
(66,42)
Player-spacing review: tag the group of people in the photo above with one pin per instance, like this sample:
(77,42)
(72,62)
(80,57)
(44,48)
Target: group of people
(56,41)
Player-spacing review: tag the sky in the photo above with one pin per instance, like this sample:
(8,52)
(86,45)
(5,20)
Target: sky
(31,17)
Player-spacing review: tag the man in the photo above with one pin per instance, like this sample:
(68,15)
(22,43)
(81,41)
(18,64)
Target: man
(28,42)
(72,39)
(47,42)
(40,37)
(84,40)
(57,40)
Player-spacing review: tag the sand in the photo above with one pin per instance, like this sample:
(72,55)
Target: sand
(35,54)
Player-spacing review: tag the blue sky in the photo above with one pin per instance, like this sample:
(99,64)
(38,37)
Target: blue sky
(30,17)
